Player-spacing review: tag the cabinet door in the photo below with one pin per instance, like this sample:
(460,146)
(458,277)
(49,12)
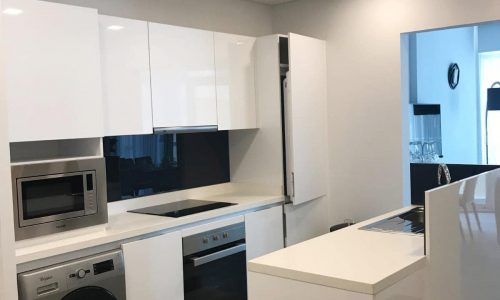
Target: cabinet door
(235,64)
(182,76)
(125,76)
(264,231)
(305,109)
(153,268)
(52,71)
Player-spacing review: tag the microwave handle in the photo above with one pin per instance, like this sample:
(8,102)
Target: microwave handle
(198,261)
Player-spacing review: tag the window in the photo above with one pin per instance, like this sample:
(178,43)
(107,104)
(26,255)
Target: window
(489,72)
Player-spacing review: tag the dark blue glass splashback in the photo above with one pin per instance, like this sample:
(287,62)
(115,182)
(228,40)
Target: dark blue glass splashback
(142,165)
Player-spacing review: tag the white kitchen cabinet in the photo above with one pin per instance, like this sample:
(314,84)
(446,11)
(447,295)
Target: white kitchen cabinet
(235,64)
(264,231)
(52,74)
(125,76)
(153,268)
(182,76)
(305,115)
(266,287)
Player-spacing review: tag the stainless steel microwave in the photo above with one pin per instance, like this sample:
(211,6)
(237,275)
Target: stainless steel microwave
(56,196)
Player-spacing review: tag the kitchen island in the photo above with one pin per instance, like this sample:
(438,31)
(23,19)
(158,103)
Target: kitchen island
(350,264)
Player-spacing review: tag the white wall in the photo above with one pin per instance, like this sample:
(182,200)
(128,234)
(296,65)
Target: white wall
(460,127)
(489,37)
(256,156)
(8,286)
(232,16)
(364,109)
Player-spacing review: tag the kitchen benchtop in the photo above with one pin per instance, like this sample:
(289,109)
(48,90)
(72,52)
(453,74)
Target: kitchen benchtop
(349,259)
(126,225)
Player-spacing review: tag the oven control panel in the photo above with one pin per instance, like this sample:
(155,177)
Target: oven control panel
(214,238)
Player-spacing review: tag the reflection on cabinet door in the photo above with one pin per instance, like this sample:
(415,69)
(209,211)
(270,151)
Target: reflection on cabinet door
(125,76)
(182,76)
(52,77)
(153,268)
(305,114)
(235,64)
(264,231)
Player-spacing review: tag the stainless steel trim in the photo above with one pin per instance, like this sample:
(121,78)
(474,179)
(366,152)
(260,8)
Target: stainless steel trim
(90,197)
(198,261)
(52,224)
(185,129)
(205,240)
(52,218)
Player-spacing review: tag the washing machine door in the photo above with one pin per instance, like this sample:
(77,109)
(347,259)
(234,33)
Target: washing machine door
(90,293)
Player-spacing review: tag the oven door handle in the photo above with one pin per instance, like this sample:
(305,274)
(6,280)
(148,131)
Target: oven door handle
(198,261)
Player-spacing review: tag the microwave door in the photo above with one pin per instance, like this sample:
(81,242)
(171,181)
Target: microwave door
(50,198)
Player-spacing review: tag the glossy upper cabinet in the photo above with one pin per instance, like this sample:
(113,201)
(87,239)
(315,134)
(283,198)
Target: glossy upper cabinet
(182,76)
(125,76)
(235,64)
(52,75)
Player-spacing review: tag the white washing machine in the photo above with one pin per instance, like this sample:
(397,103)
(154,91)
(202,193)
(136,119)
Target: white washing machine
(98,277)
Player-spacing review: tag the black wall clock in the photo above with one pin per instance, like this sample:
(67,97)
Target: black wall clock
(453,75)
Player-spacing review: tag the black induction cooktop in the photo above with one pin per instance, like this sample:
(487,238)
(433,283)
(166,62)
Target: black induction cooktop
(181,208)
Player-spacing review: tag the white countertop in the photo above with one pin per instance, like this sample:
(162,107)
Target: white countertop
(349,259)
(129,225)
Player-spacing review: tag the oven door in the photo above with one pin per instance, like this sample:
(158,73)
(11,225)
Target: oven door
(50,198)
(216,274)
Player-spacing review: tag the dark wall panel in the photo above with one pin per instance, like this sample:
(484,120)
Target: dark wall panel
(424,177)
(143,165)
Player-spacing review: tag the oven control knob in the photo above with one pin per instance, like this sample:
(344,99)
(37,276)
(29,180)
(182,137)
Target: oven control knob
(225,235)
(215,237)
(81,273)
(205,240)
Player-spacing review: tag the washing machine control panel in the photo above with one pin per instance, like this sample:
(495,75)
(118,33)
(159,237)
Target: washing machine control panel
(79,274)
(52,282)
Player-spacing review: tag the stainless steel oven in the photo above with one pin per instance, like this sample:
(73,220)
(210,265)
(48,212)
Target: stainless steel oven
(215,264)
(58,196)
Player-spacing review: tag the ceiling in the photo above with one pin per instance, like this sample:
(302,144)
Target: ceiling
(272,2)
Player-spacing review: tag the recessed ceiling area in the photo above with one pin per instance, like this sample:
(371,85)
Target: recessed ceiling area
(272,2)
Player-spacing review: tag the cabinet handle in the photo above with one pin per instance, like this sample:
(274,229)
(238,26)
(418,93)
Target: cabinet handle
(198,261)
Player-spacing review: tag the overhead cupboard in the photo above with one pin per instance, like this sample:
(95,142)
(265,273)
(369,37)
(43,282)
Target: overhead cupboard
(125,76)
(71,73)
(235,77)
(51,71)
(182,77)
(200,79)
